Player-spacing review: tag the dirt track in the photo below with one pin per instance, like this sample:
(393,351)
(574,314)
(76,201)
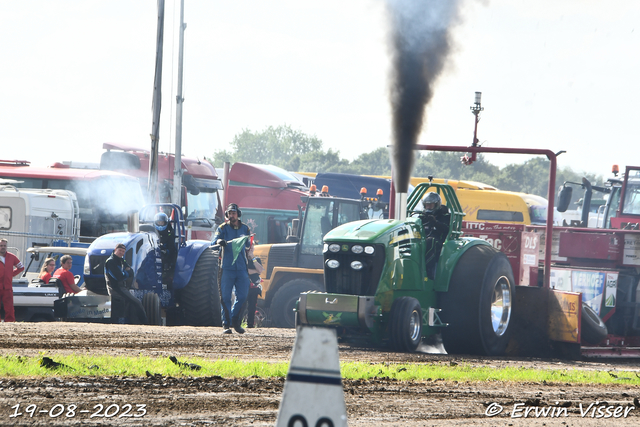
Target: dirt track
(254,401)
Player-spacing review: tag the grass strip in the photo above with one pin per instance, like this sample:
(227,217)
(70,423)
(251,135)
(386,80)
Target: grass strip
(13,366)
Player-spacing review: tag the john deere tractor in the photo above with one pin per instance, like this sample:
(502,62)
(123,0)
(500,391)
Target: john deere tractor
(376,278)
(295,267)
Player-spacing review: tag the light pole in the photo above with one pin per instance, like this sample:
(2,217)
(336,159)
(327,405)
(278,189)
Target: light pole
(475,110)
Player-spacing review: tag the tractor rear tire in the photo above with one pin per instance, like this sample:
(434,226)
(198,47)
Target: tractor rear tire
(285,300)
(152,307)
(478,305)
(405,326)
(594,330)
(200,299)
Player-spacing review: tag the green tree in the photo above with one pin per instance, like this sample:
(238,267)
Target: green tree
(376,162)
(320,161)
(280,146)
(294,151)
(448,165)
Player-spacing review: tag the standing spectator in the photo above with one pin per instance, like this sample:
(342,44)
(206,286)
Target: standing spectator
(234,269)
(47,268)
(66,276)
(11,267)
(255,269)
(123,304)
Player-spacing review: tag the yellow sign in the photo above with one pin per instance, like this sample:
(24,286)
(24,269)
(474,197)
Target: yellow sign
(565,309)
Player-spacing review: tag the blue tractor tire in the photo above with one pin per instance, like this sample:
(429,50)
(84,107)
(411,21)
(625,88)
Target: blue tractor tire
(200,299)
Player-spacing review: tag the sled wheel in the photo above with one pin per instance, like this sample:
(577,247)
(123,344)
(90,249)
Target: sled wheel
(478,305)
(593,328)
(200,299)
(405,327)
(285,300)
(152,307)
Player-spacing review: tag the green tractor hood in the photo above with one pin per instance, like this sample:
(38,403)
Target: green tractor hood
(364,231)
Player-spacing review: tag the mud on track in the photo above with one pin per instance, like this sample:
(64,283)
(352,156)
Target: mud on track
(255,401)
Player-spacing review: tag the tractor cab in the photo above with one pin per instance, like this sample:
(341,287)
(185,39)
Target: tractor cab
(296,266)
(323,213)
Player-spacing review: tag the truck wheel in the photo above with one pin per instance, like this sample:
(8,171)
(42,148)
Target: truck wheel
(285,300)
(152,307)
(405,326)
(593,328)
(200,299)
(478,304)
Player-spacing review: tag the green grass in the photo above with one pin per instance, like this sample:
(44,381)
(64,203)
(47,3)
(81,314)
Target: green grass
(12,366)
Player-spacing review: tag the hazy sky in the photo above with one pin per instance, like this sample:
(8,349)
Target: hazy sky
(560,75)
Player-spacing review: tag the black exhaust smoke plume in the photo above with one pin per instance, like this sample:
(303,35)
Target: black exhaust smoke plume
(419,44)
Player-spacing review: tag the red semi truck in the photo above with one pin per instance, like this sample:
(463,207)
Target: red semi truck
(268,196)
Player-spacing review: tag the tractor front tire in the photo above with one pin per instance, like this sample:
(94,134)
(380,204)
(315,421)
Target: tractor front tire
(405,327)
(594,330)
(152,307)
(200,299)
(285,300)
(478,305)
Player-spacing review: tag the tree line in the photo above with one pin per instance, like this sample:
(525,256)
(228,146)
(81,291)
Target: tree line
(296,151)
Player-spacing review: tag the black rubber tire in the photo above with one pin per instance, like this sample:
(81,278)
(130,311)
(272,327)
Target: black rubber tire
(405,325)
(467,306)
(593,328)
(153,308)
(285,299)
(200,299)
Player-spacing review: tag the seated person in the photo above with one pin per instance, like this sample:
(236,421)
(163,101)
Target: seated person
(66,276)
(48,267)
(435,223)
(168,247)
(254,268)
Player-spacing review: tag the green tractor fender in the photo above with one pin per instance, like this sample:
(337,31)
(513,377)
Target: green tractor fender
(452,251)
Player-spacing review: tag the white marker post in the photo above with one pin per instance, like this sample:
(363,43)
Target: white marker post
(313,394)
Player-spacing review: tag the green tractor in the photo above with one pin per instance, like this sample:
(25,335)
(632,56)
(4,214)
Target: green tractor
(378,283)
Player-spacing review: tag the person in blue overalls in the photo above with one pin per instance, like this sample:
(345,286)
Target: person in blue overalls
(234,274)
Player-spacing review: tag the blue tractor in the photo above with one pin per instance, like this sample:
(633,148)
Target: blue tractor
(179,283)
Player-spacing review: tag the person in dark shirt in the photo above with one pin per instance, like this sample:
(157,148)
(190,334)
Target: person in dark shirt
(435,224)
(254,268)
(123,303)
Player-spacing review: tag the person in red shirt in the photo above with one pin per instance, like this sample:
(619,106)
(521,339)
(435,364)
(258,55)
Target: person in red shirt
(11,266)
(66,276)
(47,268)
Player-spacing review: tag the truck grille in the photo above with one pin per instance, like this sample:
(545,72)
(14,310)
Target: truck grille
(346,280)
(281,255)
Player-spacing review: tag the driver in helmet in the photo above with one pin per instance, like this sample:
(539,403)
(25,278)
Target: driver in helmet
(435,223)
(168,244)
